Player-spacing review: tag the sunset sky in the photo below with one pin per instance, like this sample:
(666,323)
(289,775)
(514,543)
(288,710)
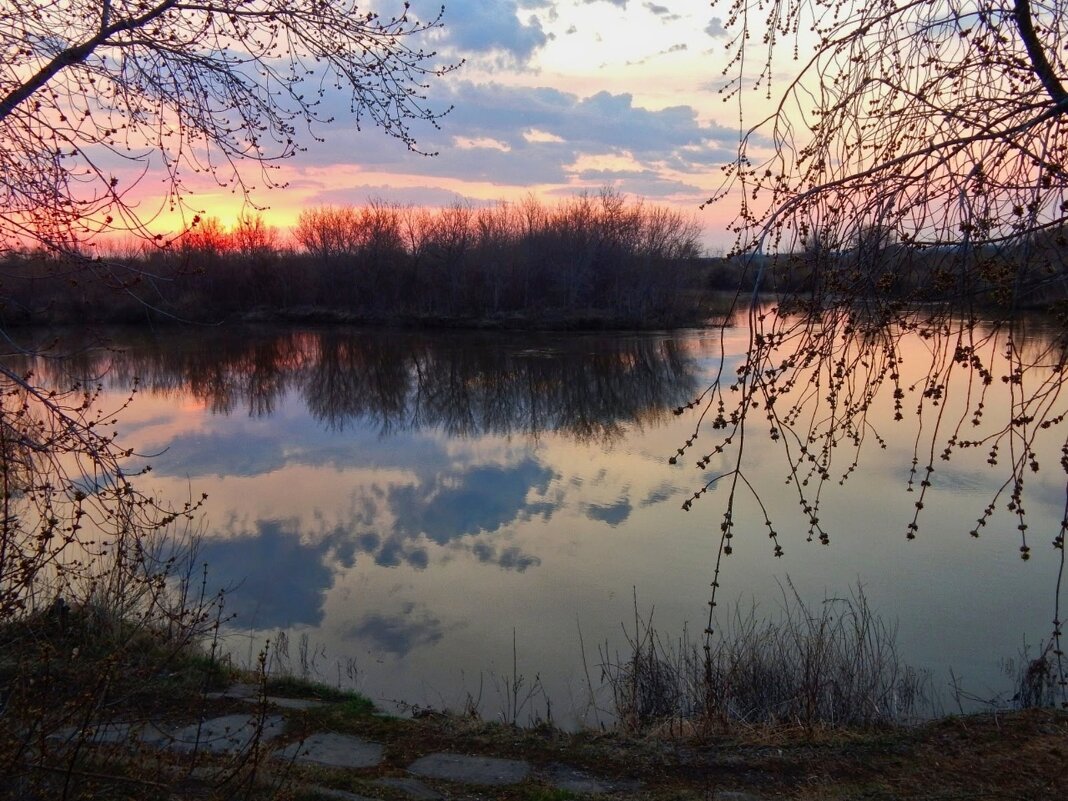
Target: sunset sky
(555,96)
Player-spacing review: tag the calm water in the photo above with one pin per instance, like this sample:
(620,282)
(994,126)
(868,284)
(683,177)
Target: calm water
(413,501)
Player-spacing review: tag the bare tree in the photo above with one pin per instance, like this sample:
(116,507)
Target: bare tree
(916,152)
(329,233)
(252,236)
(96,95)
(942,124)
(92,92)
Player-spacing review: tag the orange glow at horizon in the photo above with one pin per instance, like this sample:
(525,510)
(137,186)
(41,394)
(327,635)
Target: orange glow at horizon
(280,208)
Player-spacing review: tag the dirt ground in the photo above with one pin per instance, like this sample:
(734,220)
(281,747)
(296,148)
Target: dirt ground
(1012,755)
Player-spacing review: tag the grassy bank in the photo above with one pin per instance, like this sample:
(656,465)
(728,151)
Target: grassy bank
(773,723)
(1011,755)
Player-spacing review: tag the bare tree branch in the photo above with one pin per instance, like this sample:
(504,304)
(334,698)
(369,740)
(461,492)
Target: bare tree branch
(93,97)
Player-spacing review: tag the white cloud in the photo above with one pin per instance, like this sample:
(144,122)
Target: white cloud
(536,135)
(480,143)
(663,12)
(474,28)
(520,136)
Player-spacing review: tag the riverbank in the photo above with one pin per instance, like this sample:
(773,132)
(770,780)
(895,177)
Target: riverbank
(597,259)
(155,717)
(703,311)
(300,741)
(546,319)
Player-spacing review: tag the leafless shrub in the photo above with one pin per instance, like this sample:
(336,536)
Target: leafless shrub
(1036,678)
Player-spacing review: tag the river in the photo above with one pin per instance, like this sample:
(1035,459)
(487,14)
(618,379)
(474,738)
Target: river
(433,513)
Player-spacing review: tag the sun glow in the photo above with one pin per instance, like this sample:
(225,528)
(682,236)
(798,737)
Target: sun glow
(553,102)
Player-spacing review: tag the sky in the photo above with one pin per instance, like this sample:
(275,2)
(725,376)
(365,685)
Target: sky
(554,97)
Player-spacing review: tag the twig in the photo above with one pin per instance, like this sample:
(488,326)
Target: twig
(93,775)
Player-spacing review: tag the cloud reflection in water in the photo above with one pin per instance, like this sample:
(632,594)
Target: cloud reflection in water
(399,410)
(398,634)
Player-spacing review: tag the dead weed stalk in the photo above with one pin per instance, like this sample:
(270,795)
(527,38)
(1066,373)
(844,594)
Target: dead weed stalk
(834,664)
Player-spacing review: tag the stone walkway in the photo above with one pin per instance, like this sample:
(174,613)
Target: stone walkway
(314,750)
(344,751)
(433,776)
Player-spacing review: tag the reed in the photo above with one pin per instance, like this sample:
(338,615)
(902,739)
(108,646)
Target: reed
(834,664)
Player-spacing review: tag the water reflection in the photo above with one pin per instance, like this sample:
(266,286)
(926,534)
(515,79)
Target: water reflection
(411,499)
(273,578)
(376,421)
(460,384)
(482,498)
(398,634)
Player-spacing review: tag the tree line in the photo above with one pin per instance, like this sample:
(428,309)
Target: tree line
(589,261)
(877,265)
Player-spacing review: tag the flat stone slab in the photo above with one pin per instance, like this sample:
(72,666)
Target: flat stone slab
(341,795)
(333,750)
(575,781)
(103,734)
(413,788)
(471,769)
(222,735)
(226,734)
(250,693)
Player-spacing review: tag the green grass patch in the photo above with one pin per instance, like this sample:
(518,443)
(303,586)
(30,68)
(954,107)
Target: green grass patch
(293,687)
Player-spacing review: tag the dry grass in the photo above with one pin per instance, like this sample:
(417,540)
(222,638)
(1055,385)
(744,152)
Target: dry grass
(832,665)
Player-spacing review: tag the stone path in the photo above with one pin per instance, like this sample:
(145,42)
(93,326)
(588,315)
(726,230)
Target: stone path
(222,735)
(228,734)
(471,769)
(342,751)
(438,776)
(333,750)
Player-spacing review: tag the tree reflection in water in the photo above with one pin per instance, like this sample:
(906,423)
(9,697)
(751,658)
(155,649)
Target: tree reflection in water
(398,493)
(588,387)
